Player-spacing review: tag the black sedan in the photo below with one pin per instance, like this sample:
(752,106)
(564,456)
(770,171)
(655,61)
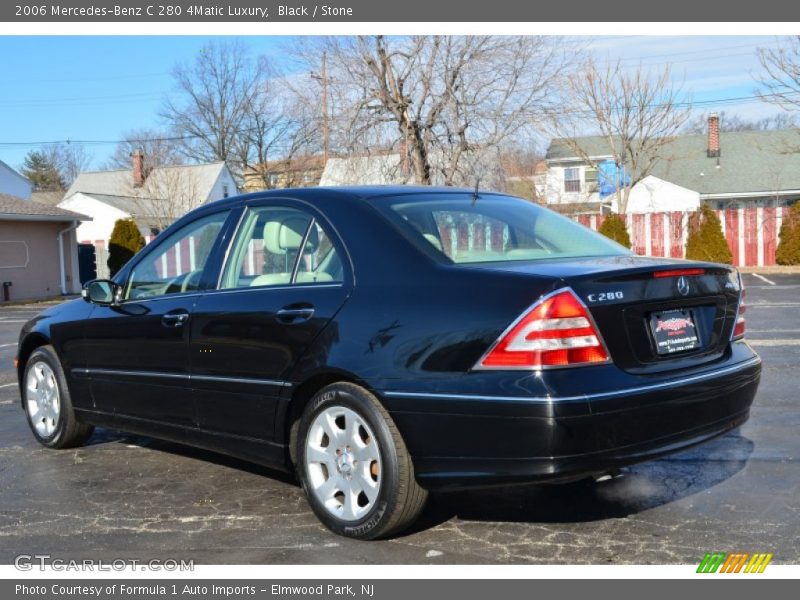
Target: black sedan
(385,342)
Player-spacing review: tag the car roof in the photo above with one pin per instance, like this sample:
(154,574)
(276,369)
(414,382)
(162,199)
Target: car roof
(358,192)
(322,195)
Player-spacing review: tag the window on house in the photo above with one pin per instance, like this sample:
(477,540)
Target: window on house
(572,179)
(224,191)
(590,176)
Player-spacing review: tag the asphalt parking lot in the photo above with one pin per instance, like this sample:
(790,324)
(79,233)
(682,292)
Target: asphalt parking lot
(125,496)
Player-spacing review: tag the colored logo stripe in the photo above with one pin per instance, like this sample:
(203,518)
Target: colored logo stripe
(734,562)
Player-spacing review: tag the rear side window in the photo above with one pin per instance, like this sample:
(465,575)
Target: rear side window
(494,228)
(279,246)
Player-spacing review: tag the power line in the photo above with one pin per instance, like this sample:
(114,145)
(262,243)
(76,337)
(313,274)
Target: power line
(531,114)
(685,52)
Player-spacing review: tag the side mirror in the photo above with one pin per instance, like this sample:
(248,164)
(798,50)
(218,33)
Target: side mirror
(101,291)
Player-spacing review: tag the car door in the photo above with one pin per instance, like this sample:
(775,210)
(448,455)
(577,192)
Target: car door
(284,279)
(137,349)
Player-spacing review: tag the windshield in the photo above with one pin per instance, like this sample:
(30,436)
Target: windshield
(493,228)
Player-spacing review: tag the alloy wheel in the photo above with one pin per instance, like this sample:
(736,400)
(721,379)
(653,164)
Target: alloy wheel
(43,399)
(343,463)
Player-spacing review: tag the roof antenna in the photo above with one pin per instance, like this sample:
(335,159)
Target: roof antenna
(475,194)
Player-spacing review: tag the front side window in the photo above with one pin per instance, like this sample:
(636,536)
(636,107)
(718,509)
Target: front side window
(177,263)
(279,246)
(493,228)
(572,179)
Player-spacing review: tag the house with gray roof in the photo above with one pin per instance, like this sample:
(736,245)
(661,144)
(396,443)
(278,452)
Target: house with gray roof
(721,169)
(38,249)
(153,198)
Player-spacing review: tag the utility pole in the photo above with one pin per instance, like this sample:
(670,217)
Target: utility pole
(325,125)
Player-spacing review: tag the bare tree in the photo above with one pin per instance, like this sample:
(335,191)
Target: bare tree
(780,78)
(282,137)
(65,160)
(159,148)
(444,104)
(636,113)
(166,194)
(523,171)
(227,107)
(728,122)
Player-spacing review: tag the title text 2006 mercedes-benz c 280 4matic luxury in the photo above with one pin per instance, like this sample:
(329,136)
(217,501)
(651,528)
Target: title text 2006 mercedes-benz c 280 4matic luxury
(385,342)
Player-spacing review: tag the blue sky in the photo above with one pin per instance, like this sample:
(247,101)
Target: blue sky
(97,88)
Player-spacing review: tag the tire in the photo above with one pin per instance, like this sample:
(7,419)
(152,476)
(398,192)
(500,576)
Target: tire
(354,466)
(47,403)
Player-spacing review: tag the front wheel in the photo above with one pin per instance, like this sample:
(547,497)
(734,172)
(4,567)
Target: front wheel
(48,404)
(354,465)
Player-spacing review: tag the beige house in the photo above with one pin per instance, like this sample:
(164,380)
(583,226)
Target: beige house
(298,171)
(38,250)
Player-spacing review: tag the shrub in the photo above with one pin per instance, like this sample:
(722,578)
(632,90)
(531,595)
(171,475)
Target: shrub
(706,241)
(614,227)
(126,240)
(788,252)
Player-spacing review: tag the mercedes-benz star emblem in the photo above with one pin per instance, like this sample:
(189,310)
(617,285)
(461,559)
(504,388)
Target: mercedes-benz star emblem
(683,286)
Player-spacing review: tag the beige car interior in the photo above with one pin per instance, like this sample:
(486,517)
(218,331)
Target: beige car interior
(285,236)
(476,255)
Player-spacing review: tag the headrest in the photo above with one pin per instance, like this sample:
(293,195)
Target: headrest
(286,234)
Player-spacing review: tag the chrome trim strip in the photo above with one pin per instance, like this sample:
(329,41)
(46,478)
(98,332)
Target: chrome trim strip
(269,288)
(222,379)
(122,372)
(583,398)
(301,250)
(181,376)
(131,301)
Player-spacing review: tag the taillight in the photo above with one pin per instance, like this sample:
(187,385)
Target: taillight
(557,331)
(738,328)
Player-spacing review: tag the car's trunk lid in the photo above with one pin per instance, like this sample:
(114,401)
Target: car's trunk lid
(654,314)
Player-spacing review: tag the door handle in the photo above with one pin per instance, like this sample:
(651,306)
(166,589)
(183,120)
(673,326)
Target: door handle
(175,318)
(291,315)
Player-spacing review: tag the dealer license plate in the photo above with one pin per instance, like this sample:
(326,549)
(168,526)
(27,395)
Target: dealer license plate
(674,331)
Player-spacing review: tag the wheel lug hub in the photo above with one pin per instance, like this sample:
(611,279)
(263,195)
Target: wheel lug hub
(345,462)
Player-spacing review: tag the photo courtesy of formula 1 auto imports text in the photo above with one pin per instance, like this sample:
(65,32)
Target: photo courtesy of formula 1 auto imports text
(364,300)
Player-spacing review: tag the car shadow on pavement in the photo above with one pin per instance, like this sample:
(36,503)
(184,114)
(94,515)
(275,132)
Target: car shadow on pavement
(106,436)
(641,487)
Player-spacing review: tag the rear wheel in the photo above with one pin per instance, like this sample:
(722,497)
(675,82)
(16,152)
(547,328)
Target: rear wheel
(354,465)
(48,404)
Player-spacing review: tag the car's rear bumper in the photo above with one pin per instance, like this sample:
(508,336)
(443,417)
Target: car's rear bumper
(463,440)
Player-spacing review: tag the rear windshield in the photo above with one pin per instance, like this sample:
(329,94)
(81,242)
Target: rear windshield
(493,228)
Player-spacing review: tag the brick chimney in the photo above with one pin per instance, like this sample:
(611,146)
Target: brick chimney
(713,135)
(139,174)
